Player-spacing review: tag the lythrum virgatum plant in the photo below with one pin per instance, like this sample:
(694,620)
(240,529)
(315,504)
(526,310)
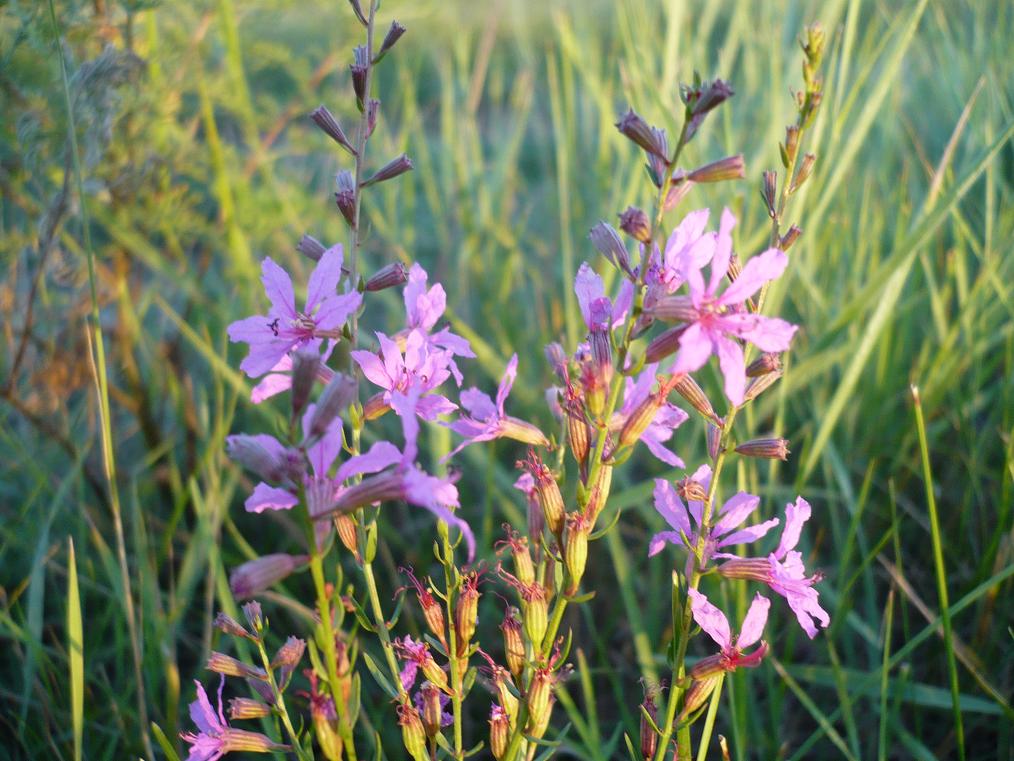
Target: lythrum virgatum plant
(613,393)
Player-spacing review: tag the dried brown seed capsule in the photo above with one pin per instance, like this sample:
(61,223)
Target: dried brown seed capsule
(466,612)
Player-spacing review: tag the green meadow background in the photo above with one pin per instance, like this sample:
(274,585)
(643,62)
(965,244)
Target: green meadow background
(197,160)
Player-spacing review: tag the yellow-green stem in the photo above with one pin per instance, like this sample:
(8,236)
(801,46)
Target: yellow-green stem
(280,703)
(451,589)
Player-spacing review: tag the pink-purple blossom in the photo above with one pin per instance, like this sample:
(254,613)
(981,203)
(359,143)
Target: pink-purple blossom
(285,328)
(722,534)
(689,246)
(215,737)
(423,308)
(597,309)
(486,419)
(716,320)
(667,419)
(714,622)
(784,573)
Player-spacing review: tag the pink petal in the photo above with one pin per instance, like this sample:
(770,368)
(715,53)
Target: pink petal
(748,534)
(433,405)
(506,383)
(324,278)
(478,404)
(796,514)
(753,624)
(730,360)
(695,348)
(588,287)
(251,330)
(278,286)
(405,407)
(372,368)
(723,251)
(624,298)
(689,230)
(414,288)
(710,618)
(394,364)
(453,343)
(438,496)
(670,506)
(734,512)
(202,713)
(653,441)
(766,333)
(381,455)
(335,310)
(756,272)
(264,356)
(266,497)
(270,385)
(661,539)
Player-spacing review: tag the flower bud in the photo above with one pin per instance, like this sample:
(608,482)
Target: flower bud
(575,550)
(230,740)
(262,456)
(359,66)
(649,737)
(540,690)
(390,170)
(325,729)
(714,440)
(769,192)
(688,388)
(791,145)
(221,663)
(255,576)
(394,34)
(790,237)
(311,248)
(248,708)
(391,276)
(329,126)
(674,309)
(372,111)
(304,373)
(639,419)
(253,615)
(664,344)
(384,487)
(523,431)
(287,658)
(700,99)
(729,168)
(432,712)
(358,10)
(337,395)
(677,193)
(513,642)
(764,364)
(413,734)
(637,129)
(466,612)
(547,491)
(771,449)
(599,494)
(813,44)
(578,434)
(375,407)
(521,556)
(608,243)
(229,625)
(698,694)
(345,525)
(433,612)
(499,732)
(534,612)
(803,172)
(634,223)
(345,196)
(758,386)
(549,573)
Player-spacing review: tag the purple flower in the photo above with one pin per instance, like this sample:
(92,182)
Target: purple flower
(423,308)
(714,622)
(487,420)
(718,319)
(735,510)
(446,719)
(784,573)
(216,738)
(284,328)
(667,419)
(280,377)
(687,247)
(596,308)
(422,366)
(413,653)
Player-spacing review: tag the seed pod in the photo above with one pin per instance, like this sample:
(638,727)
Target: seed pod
(577,429)
(432,711)
(803,172)
(649,737)
(549,573)
(329,125)
(637,130)
(634,223)
(729,168)
(466,612)
(391,276)
(691,490)
(599,494)
(764,364)
(229,625)
(499,732)
(534,613)
(698,694)
(432,671)
(639,419)
(575,550)
(769,192)
(413,734)
(513,642)
(539,692)
(769,449)
(248,708)
(311,248)
(345,525)
(758,386)
(664,344)
(547,491)
(221,663)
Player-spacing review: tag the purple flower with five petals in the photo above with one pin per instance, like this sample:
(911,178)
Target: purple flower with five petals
(284,328)
(487,420)
(784,573)
(423,307)
(716,320)
(215,737)
(714,622)
(689,246)
(735,510)
(597,309)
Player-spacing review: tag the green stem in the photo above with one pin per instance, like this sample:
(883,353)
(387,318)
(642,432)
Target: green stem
(381,625)
(280,709)
(457,678)
(709,721)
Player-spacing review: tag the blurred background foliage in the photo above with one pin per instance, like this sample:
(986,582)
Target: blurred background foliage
(197,160)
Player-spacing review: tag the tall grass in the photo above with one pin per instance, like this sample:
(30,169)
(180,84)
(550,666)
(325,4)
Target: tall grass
(196,160)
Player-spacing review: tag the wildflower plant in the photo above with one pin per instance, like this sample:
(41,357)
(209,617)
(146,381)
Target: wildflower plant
(614,391)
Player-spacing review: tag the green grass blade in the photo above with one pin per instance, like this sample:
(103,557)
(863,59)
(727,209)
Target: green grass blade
(75,651)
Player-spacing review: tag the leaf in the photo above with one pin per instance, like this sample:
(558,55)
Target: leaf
(379,677)
(75,649)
